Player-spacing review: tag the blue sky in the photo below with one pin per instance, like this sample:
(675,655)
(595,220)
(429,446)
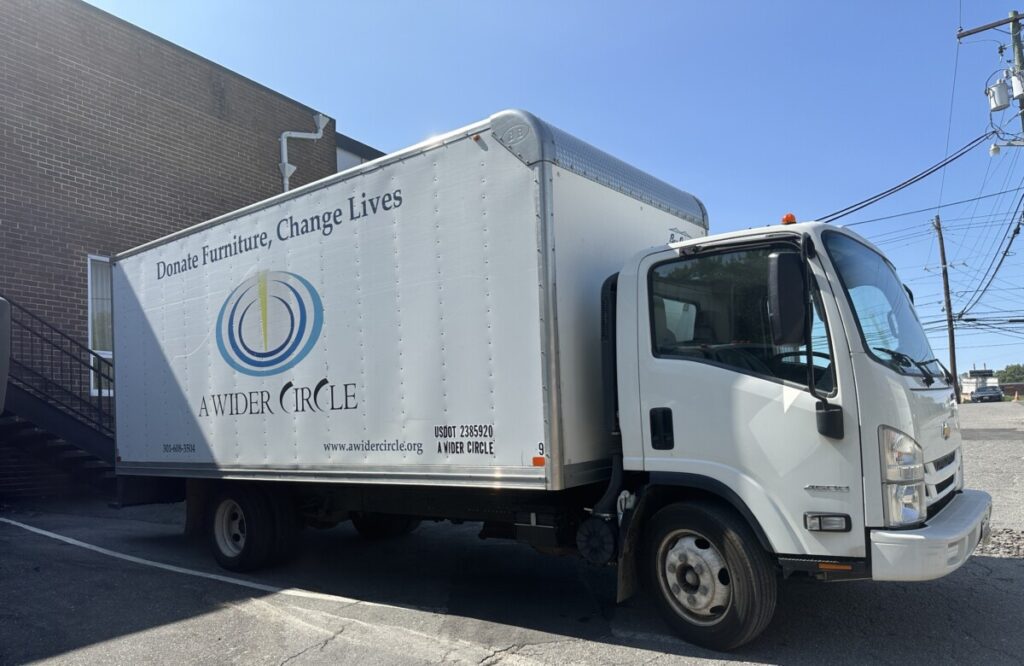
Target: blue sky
(757,108)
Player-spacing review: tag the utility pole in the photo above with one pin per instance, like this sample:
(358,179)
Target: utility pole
(1018,57)
(1018,50)
(949,310)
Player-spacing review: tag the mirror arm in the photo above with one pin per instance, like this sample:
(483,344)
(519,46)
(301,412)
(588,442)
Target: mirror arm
(829,417)
(806,252)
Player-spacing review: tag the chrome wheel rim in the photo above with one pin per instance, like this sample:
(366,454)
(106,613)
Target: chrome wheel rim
(229,528)
(694,577)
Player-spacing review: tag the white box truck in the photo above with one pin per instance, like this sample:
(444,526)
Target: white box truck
(506,325)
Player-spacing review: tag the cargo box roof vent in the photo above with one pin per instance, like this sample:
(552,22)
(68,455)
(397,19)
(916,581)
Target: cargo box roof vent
(532,140)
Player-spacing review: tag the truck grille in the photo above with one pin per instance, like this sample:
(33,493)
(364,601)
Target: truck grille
(934,509)
(945,461)
(940,481)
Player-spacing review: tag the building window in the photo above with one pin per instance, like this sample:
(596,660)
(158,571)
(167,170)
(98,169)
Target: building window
(101,328)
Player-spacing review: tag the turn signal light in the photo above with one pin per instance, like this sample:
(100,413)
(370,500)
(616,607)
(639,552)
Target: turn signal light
(827,522)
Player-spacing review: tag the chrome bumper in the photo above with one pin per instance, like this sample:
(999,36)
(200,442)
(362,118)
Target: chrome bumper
(938,548)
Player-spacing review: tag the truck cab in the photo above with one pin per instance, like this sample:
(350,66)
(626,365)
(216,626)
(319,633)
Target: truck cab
(779,380)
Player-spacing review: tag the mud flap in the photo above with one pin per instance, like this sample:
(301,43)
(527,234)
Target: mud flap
(197,494)
(629,540)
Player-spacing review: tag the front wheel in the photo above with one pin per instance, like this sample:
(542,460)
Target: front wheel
(712,581)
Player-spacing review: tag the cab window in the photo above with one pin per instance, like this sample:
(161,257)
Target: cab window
(714,308)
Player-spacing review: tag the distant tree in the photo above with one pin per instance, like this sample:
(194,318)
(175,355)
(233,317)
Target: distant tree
(1011,374)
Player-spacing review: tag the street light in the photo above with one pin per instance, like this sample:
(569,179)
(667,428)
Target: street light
(993,150)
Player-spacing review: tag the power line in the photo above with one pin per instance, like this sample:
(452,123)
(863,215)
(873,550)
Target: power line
(1007,344)
(987,244)
(931,208)
(975,329)
(949,121)
(1002,330)
(997,131)
(942,188)
(995,289)
(984,181)
(998,252)
(922,227)
(853,208)
(973,300)
(910,233)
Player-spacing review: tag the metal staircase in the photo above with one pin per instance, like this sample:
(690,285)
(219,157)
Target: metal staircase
(57,427)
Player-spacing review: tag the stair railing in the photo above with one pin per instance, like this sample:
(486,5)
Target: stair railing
(51,365)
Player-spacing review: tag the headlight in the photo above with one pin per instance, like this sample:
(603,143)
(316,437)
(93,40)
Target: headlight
(902,457)
(904,503)
(903,492)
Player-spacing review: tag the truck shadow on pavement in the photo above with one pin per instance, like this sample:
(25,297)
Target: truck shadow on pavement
(59,598)
(488,586)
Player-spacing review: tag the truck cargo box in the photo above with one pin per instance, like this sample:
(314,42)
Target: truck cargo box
(430,317)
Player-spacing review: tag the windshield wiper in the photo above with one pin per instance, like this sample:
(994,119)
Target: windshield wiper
(901,360)
(946,373)
(930,376)
(904,361)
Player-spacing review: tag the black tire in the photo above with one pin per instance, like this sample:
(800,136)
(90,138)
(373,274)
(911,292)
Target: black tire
(241,527)
(382,525)
(710,578)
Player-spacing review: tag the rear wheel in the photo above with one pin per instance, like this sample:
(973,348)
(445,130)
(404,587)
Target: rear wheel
(382,525)
(710,578)
(241,528)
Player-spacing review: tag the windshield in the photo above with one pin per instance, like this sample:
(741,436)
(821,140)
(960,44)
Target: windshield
(886,318)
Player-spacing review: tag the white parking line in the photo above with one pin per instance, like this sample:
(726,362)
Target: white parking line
(292,592)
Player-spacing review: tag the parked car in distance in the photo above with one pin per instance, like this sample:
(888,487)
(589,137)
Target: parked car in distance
(987,394)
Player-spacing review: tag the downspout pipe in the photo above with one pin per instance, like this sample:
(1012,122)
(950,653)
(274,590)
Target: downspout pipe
(5,348)
(288,169)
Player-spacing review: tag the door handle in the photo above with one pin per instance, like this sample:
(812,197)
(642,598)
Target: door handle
(662,437)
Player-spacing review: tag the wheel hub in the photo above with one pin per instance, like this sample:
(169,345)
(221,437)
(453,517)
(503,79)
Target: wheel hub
(697,577)
(229,528)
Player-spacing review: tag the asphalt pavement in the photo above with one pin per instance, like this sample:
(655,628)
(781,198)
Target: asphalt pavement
(125,586)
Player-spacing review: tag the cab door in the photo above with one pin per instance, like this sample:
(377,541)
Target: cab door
(720,402)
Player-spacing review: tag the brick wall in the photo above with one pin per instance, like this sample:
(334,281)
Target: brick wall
(111,137)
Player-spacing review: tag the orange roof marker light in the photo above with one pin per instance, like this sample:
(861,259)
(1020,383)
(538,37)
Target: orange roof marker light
(789,218)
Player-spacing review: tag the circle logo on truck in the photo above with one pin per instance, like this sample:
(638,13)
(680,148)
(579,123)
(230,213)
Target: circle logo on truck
(269,323)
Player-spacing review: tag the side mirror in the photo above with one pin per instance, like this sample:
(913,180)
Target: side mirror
(787,298)
(830,420)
